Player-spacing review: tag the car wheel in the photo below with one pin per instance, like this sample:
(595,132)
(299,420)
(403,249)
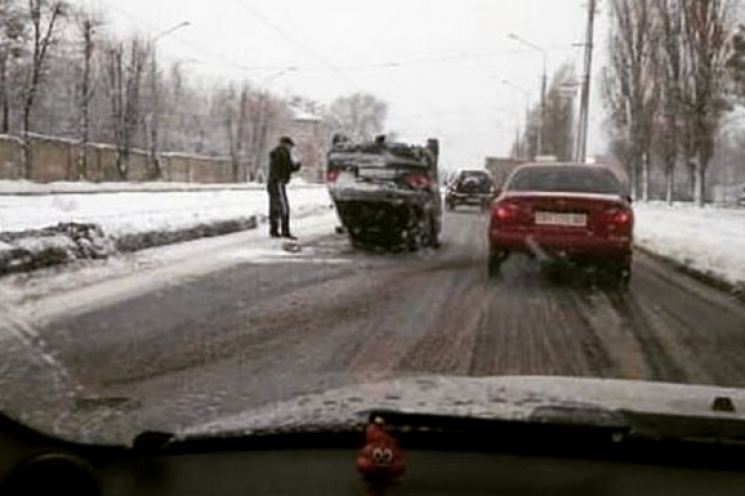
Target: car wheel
(619,275)
(433,239)
(496,258)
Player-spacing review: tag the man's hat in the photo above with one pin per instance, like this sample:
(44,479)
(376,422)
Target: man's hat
(286,140)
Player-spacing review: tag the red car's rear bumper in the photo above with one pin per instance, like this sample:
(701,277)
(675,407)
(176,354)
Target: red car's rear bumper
(573,245)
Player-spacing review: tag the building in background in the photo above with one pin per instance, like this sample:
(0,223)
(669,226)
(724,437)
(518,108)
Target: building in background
(312,136)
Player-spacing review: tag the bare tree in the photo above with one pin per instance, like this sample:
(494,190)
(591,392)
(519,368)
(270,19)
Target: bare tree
(360,116)
(126,65)
(631,89)
(707,32)
(12,33)
(558,118)
(669,121)
(87,23)
(44,16)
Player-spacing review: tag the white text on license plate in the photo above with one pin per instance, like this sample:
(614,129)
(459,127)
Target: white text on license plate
(560,219)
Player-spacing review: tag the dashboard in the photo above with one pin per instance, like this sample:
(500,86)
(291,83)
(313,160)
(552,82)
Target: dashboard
(507,462)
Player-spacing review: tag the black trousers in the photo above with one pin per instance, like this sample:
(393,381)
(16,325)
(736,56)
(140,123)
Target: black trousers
(279,209)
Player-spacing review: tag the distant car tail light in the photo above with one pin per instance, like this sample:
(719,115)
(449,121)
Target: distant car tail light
(332,176)
(419,181)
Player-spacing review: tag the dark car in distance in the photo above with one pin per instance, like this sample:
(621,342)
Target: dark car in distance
(386,193)
(575,212)
(470,187)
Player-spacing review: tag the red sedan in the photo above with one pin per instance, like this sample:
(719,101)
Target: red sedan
(574,212)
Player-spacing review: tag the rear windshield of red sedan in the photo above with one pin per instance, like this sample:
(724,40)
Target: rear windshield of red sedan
(565,179)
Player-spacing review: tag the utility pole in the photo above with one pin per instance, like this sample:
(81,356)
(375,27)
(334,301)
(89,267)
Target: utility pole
(584,116)
(544,89)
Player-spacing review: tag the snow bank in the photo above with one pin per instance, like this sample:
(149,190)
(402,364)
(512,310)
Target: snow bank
(120,214)
(709,241)
(55,245)
(39,231)
(82,187)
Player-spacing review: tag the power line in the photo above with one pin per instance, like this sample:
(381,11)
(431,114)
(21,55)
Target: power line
(208,54)
(326,65)
(287,36)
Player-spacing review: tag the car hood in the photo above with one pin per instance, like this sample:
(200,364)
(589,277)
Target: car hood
(499,398)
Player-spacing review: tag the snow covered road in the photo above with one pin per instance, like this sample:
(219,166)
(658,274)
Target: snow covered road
(193,332)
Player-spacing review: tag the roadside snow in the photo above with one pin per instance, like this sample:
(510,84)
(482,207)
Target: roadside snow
(40,231)
(81,187)
(709,240)
(120,214)
(45,295)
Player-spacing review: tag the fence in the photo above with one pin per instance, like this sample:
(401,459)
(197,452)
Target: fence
(55,159)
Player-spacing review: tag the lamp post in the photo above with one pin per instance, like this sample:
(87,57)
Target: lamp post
(544,85)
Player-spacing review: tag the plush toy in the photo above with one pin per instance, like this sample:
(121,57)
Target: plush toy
(381,460)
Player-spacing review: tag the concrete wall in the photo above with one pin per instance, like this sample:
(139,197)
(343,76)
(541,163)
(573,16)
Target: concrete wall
(10,158)
(59,160)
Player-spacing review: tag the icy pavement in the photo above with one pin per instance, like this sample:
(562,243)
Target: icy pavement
(709,240)
(48,293)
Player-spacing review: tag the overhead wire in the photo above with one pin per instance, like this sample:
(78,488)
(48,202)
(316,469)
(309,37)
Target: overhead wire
(293,40)
(326,65)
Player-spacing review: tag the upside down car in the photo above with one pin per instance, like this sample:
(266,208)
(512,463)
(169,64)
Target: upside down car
(386,194)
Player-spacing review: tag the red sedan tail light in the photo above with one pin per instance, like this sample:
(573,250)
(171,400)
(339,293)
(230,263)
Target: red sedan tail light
(620,216)
(505,212)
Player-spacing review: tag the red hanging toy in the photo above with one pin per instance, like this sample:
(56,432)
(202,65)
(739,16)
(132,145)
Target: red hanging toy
(381,460)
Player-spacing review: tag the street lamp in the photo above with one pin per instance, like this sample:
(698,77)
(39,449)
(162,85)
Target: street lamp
(155,112)
(171,30)
(544,84)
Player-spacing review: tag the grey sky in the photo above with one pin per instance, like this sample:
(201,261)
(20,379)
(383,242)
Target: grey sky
(438,63)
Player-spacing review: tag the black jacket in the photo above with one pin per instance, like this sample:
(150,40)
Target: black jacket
(281,166)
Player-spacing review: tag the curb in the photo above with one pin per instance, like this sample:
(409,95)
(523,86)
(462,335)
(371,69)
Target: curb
(707,278)
(154,239)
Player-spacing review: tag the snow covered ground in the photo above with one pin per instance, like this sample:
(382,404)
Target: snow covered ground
(128,213)
(43,230)
(710,240)
(82,187)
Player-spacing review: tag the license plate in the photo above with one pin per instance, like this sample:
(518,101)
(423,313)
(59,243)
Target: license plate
(377,173)
(560,219)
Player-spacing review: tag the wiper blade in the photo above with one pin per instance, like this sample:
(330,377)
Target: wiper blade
(567,416)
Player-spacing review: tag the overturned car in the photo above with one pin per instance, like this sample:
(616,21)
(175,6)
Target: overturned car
(386,194)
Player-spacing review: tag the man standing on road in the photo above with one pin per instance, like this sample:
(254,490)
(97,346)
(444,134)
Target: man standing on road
(281,168)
